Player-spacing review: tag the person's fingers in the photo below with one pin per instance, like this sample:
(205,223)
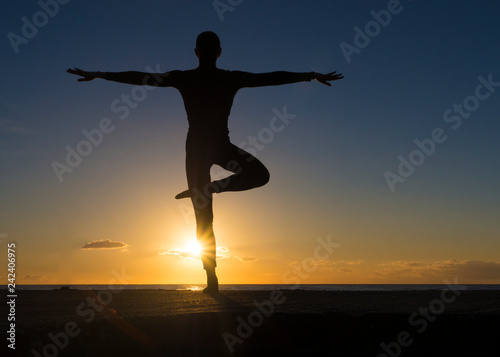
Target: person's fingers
(76,71)
(324,82)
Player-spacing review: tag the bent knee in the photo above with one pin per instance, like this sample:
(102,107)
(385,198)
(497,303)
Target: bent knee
(264,177)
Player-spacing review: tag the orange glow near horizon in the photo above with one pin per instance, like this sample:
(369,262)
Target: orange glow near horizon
(136,226)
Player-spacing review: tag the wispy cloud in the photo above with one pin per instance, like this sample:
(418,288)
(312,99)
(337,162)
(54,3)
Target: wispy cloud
(11,126)
(12,153)
(180,253)
(247,259)
(33,277)
(471,270)
(220,253)
(329,263)
(104,244)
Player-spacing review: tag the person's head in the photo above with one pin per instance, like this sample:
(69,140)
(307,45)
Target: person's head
(208,46)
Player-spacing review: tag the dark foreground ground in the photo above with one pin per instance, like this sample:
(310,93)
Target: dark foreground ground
(249,323)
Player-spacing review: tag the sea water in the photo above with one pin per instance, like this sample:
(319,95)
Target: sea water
(262,287)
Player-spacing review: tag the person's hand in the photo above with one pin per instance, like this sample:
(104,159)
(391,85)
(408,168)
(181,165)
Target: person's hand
(325,78)
(86,76)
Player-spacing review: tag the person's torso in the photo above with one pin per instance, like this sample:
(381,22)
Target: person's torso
(208,97)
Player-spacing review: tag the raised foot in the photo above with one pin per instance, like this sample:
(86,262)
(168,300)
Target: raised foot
(183,194)
(209,190)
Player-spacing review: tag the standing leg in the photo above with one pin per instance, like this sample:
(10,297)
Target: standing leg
(198,175)
(206,240)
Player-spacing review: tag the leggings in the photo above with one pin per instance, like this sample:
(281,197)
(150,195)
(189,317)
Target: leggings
(201,154)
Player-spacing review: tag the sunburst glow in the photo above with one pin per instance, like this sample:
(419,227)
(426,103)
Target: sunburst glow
(194,248)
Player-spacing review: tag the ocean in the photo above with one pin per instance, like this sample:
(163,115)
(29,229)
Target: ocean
(263,287)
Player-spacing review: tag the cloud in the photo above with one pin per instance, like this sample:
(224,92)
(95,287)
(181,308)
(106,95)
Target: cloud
(10,126)
(220,253)
(11,153)
(33,277)
(328,263)
(340,266)
(465,270)
(247,259)
(104,244)
(353,262)
(180,253)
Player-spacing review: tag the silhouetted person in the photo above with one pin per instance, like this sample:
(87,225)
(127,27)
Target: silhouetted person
(208,94)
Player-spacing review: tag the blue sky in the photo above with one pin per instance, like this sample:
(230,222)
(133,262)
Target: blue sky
(327,166)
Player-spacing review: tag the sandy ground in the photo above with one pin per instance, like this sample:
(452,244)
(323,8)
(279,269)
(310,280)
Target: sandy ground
(255,323)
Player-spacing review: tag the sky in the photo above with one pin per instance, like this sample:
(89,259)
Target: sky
(388,176)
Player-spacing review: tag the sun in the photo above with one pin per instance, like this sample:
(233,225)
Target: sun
(194,248)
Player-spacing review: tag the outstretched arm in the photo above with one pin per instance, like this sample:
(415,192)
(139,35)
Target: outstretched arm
(281,77)
(131,77)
